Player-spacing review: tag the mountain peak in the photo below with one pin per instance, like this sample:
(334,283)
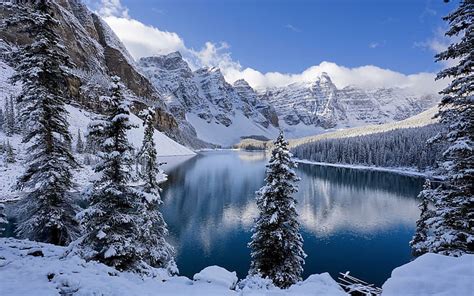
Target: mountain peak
(171,61)
(241,83)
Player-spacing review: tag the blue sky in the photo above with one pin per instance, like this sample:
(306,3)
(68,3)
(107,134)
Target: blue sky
(301,33)
(271,43)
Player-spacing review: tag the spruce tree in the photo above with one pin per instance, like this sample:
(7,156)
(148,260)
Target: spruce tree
(8,121)
(2,119)
(418,243)
(3,217)
(9,154)
(11,117)
(113,222)
(154,230)
(47,212)
(79,144)
(451,230)
(277,246)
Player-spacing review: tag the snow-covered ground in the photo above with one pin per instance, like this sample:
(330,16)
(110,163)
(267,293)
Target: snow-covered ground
(79,119)
(433,274)
(217,133)
(51,273)
(398,170)
(31,268)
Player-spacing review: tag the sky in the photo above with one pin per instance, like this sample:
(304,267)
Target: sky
(276,42)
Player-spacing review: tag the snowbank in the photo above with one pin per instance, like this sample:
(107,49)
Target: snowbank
(30,268)
(217,275)
(432,274)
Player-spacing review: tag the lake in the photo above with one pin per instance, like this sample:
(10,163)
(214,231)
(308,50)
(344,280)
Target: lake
(352,220)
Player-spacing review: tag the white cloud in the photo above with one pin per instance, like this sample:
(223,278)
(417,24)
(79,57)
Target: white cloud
(112,8)
(374,45)
(142,40)
(145,40)
(439,43)
(292,28)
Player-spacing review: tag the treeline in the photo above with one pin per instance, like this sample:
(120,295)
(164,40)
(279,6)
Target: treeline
(408,147)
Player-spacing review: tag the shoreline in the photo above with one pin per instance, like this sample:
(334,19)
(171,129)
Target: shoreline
(401,171)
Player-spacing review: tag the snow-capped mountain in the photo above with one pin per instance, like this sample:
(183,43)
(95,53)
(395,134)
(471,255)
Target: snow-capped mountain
(321,104)
(220,113)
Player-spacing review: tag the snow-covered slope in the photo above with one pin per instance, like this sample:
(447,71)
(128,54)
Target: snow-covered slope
(49,273)
(219,112)
(305,108)
(79,120)
(432,274)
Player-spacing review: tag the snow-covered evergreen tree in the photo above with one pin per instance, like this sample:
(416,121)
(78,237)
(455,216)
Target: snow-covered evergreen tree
(9,154)
(9,121)
(277,246)
(3,217)
(421,233)
(154,230)
(113,222)
(2,119)
(80,143)
(451,230)
(47,212)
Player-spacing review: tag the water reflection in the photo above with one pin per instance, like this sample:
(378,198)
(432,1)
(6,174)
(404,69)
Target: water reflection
(209,206)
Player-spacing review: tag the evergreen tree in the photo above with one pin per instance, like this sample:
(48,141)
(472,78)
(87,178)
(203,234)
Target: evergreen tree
(79,144)
(277,246)
(11,117)
(2,119)
(8,121)
(451,230)
(3,217)
(113,222)
(47,212)
(9,154)
(154,230)
(421,234)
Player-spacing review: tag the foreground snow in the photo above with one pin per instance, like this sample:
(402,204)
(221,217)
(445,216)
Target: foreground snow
(28,268)
(432,274)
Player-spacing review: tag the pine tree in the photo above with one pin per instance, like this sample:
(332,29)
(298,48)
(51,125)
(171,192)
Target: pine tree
(452,227)
(277,246)
(418,243)
(9,154)
(79,144)
(113,222)
(47,212)
(154,229)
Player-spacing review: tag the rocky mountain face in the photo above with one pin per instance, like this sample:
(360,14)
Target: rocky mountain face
(207,97)
(321,104)
(98,54)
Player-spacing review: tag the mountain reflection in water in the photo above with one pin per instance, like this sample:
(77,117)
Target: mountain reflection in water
(351,219)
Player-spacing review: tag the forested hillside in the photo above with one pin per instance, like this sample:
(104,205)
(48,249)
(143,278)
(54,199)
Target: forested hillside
(408,147)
